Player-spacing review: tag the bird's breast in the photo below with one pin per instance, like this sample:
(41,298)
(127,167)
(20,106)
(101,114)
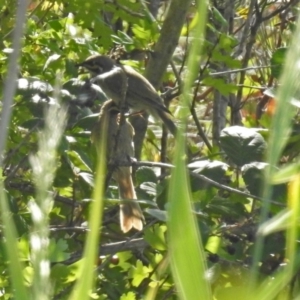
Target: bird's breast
(114,84)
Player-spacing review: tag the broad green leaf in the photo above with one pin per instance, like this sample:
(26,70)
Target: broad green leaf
(159,214)
(149,188)
(144,174)
(219,207)
(253,175)
(155,236)
(242,145)
(87,122)
(214,170)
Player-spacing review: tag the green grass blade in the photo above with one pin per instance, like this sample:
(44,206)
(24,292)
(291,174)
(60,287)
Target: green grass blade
(10,234)
(15,267)
(85,284)
(186,251)
(188,262)
(292,230)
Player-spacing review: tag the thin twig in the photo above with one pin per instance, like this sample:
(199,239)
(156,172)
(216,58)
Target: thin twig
(238,70)
(207,180)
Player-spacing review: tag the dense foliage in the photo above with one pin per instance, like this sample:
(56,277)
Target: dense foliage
(232,103)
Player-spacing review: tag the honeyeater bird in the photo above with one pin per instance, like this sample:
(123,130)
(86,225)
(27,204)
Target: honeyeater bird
(119,143)
(127,87)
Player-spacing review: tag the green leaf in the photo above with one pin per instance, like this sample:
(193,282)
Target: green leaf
(218,16)
(221,207)
(56,25)
(78,161)
(155,236)
(51,59)
(57,250)
(242,145)
(277,62)
(87,177)
(227,42)
(87,122)
(253,175)
(214,170)
(220,84)
(144,174)
(149,188)
(122,38)
(139,273)
(159,214)
(60,274)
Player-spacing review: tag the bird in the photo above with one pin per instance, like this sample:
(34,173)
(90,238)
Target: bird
(127,88)
(119,143)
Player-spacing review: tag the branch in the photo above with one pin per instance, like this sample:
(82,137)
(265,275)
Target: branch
(207,180)
(167,41)
(112,248)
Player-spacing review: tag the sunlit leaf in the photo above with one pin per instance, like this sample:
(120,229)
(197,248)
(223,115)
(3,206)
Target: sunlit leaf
(242,145)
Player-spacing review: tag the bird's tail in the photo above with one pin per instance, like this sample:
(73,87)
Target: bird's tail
(166,117)
(131,215)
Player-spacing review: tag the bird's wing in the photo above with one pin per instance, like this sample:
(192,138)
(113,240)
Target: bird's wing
(139,87)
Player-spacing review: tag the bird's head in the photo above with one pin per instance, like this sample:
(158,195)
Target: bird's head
(97,64)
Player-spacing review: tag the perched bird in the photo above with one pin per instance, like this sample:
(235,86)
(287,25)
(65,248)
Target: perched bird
(120,150)
(126,86)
